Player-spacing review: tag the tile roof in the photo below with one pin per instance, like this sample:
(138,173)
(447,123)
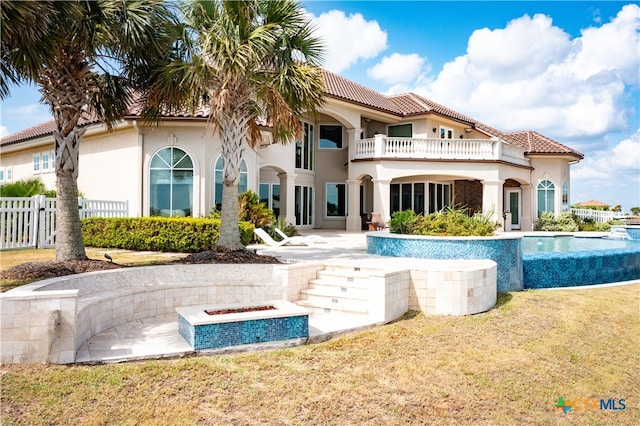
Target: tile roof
(535,143)
(403,105)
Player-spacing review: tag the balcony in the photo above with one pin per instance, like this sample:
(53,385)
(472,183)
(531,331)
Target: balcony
(383,147)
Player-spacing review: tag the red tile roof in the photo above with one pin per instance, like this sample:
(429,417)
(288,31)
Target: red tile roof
(404,105)
(535,143)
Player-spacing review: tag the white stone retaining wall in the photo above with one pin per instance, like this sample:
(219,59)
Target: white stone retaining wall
(49,320)
(454,287)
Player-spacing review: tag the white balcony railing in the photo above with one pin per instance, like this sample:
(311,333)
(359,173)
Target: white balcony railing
(435,149)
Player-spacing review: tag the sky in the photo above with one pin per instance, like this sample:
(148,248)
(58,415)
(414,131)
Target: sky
(568,70)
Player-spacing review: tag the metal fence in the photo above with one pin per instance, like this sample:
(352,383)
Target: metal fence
(29,222)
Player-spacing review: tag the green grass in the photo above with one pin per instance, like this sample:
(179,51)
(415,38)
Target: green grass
(507,366)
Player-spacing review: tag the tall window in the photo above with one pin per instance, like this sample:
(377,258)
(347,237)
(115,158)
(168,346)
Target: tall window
(304,205)
(330,137)
(412,196)
(45,161)
(565,197)
(336,194)
(218,178)
(270,196)
(546,194)
(36,163)
(304,149)
(9,176)
(171,183)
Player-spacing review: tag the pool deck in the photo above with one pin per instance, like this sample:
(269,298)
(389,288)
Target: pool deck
(158,337)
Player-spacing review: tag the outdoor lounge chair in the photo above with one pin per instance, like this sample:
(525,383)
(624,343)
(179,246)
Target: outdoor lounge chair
(292,241)
(313,238)
(376,223)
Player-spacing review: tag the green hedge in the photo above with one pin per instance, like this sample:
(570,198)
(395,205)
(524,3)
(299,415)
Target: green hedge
(184,234)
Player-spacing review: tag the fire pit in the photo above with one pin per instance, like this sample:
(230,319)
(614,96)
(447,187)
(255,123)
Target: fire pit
(211,327)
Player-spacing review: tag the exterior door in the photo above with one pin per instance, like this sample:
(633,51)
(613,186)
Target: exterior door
(513,197)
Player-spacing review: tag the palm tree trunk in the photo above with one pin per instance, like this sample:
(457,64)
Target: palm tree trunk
(69,244)
(233,138)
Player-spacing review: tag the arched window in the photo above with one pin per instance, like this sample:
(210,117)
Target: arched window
(217,181)
(546,194)
(171,183)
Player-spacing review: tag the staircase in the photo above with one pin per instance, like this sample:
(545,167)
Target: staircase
(338,289)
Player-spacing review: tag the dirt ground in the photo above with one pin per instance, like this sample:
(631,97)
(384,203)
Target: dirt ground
(38,270)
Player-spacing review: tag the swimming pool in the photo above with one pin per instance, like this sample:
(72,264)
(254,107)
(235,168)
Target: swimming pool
(565,261)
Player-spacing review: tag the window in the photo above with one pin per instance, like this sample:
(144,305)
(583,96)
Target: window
(400,131)
(36,163)
(304,149)
(270,196)
(330,137)
(9,172)
(336,200)
(565,197)
(439,196)
(409,196)
(170,183)
(218,181)
(546,194)
(1,175)
(304,205)
(446,133)
(45,162)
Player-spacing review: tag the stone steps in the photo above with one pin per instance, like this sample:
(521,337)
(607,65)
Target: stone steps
(339,289)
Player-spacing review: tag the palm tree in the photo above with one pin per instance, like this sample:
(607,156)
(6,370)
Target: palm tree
(87,59)
(246,61)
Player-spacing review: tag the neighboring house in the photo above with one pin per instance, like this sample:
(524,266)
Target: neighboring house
(365,152)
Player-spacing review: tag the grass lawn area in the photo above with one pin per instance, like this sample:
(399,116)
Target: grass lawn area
(504,367)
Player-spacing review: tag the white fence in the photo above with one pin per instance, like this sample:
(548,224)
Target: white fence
(29,222)
(598,216)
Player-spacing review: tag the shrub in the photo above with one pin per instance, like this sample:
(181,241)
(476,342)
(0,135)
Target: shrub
(23,188)
(250,209)
(182,234)
(403,222)
(448,222)
(566,222)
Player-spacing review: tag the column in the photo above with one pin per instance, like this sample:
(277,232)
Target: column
(288,196)
(528,214)
(354,221)
(492,199)
(381,193)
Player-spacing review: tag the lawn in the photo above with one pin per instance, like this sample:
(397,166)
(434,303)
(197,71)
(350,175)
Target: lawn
(507,366)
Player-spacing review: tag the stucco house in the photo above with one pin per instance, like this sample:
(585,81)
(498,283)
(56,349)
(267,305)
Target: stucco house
(365,152)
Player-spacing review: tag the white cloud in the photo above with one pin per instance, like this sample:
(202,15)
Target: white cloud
(3,131)
(622,161)
(348,39)
(532,75)
(398,68)
(611,175)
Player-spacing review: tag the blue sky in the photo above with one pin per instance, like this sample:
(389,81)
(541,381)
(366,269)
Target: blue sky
(569,70)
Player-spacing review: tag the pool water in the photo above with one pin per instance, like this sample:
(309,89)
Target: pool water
(570,243)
